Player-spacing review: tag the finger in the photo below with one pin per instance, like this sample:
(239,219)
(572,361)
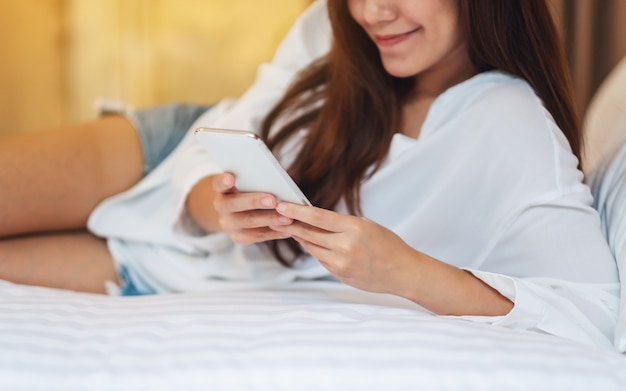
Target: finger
(257,235)
(326,220)
(255,219)
(336,264)
(326,257)
(242,202)
(318,252)
(224,183)
(308,233)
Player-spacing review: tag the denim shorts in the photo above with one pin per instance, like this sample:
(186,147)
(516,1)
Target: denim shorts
(161,128)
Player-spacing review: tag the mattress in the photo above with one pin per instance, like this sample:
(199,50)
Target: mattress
(304,336)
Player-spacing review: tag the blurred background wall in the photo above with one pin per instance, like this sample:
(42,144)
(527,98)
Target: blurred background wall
(594,33)
(32,88)
(59,57)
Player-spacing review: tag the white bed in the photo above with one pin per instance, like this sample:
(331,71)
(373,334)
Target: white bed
(308,336)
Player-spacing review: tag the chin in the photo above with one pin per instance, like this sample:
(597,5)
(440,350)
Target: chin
(401,70)
(401,73)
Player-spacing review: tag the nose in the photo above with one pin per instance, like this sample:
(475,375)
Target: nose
(376,11)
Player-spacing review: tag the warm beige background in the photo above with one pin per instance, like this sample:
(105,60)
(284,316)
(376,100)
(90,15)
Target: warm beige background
(59,57)
(31,82)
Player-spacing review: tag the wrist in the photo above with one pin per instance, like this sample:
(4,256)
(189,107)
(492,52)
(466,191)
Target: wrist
(445,289)
(199,208)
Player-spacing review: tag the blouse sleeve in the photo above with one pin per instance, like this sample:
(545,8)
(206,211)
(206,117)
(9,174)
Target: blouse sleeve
(554,264)
(583,312)
(539,240)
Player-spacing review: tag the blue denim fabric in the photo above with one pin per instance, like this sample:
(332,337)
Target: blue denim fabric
(161,128)
(132,284)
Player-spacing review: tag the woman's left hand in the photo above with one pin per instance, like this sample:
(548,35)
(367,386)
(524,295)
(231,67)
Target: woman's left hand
(371,257)
(356,250)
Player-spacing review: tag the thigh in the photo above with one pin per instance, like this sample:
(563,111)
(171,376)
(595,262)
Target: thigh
(70,260)
(53,179)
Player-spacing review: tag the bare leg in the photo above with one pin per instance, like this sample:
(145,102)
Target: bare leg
(51,181)
(76,260)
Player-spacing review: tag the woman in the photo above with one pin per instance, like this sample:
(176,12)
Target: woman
(439,147)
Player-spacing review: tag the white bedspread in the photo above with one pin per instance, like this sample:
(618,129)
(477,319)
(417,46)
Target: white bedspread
(310,336)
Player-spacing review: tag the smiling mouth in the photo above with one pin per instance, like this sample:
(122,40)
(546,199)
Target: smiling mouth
(393,39)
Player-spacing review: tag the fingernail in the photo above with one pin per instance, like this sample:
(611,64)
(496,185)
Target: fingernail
(284,220)
(267,201)
(281,207)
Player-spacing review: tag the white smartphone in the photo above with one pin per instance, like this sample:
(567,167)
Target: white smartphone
(246,156)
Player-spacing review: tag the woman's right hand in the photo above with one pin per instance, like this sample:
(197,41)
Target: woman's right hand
(216,205)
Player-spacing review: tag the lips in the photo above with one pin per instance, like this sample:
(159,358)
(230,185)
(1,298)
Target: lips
(393,39)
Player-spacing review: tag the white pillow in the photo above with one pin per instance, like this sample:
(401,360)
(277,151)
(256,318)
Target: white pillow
(605,119)
(608,185)
(605,163)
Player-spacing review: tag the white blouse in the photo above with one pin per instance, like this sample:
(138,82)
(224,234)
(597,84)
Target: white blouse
(490,186)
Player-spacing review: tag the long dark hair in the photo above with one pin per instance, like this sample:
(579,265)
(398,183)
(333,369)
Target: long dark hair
(351,107)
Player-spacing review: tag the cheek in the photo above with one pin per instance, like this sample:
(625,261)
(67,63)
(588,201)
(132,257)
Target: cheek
(355,8)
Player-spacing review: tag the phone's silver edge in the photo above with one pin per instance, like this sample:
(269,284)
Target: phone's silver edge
(234,131)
